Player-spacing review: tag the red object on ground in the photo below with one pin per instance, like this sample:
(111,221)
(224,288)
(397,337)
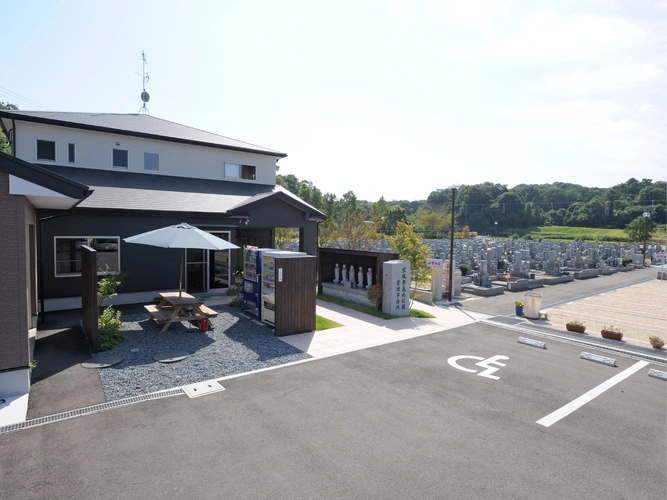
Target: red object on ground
(203,325)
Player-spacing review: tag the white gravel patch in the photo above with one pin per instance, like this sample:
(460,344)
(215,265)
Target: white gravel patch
(235,344)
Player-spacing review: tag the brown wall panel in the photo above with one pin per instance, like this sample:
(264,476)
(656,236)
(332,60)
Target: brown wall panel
(14,342)
(296,295)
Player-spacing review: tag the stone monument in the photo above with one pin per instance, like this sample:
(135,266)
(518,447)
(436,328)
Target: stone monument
(396,287)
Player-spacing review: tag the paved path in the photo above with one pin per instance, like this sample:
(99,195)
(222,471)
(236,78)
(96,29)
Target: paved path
(396,421)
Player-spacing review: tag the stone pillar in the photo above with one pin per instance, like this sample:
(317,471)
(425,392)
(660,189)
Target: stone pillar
(396,287)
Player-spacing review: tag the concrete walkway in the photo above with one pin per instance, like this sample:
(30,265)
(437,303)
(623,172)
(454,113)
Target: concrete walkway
(360,331)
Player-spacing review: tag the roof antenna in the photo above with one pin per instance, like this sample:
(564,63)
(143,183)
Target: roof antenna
(144,78)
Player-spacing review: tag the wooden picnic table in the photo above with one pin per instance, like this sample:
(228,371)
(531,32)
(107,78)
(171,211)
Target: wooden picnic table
(176,308)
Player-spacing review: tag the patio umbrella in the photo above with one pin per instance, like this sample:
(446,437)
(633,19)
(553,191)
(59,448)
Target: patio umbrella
(181,236)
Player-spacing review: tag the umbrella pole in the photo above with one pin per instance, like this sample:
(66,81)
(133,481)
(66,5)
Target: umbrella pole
(180,279)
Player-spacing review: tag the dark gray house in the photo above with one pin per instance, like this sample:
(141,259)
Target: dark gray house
(25,191)
(146,173)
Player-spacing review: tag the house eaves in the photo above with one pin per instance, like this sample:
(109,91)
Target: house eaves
(138,125)
(43,188)
(278,193)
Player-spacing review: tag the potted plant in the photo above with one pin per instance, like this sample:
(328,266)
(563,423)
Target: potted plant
(611,332)
(656,341)
(575,326)
(518,306)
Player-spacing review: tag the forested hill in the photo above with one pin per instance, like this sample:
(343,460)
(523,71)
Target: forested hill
(490,207)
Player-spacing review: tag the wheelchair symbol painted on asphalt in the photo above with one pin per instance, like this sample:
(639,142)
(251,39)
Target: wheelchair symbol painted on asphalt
(483,363)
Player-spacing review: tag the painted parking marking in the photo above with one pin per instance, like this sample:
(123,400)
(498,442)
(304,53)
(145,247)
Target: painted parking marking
(572,406)
(487,363)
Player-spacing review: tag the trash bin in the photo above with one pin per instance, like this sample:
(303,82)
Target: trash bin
(532,303)
(203,325)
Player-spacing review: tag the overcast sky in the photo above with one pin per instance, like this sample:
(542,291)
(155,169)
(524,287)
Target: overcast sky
(381,97)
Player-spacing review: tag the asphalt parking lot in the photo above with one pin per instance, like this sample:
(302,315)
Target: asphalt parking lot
(401,420)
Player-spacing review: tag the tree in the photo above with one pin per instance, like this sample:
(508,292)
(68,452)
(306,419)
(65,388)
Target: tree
(411,248)
(5,147)
(380,208)
(356,233)
(285,236)
(431,223)
(395,215)
(635,229)
(289,182)
(326,232)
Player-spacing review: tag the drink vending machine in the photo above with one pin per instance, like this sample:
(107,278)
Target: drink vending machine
(251,294)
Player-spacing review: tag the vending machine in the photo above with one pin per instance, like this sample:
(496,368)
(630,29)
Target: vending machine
(252,285)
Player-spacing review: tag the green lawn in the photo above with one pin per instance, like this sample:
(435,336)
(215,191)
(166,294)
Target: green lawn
(578,233)
(324,323)
(414,313)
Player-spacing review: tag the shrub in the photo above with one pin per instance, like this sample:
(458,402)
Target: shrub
(374,294)
(464,269)
(236,301)
(109,325)
(626,261)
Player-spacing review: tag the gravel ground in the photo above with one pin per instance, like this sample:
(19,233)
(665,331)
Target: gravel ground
(235,344)
(639,310)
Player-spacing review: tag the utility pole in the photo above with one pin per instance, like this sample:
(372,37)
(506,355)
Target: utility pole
(451,247)
(646,216)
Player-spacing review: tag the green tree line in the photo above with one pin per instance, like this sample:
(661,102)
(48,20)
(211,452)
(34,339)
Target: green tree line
(489,208)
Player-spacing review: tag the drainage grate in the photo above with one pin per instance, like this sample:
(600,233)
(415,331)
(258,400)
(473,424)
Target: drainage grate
(506,320)
(49,419)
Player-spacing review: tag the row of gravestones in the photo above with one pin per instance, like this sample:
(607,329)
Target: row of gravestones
(487,258)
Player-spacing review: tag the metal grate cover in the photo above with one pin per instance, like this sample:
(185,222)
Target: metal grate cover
(89,410)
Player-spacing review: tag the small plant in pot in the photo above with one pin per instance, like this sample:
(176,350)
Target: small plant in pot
(575,326)
(656,341)
(611,332)
(518,306)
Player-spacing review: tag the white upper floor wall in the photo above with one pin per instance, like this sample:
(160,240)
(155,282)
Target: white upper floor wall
(94,150)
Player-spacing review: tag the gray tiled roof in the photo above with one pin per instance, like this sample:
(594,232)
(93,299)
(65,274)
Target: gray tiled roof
(285,195)
(43,177)
(139,125)
(115,190)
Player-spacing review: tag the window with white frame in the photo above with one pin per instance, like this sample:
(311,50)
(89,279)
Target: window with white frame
(151,162)
(46,150)
(238,171)
(71,153)
(120,158)
(68,253)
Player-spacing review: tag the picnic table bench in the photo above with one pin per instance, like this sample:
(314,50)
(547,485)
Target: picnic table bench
(176,308)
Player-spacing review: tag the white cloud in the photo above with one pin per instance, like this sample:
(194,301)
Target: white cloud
(605,80)
(552,38)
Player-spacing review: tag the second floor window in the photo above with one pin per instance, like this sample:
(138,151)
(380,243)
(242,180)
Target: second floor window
(71,153)
(236,171)
(120,158)
(46,150)
(151,162)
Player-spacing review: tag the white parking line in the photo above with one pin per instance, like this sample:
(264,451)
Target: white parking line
(564,411)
